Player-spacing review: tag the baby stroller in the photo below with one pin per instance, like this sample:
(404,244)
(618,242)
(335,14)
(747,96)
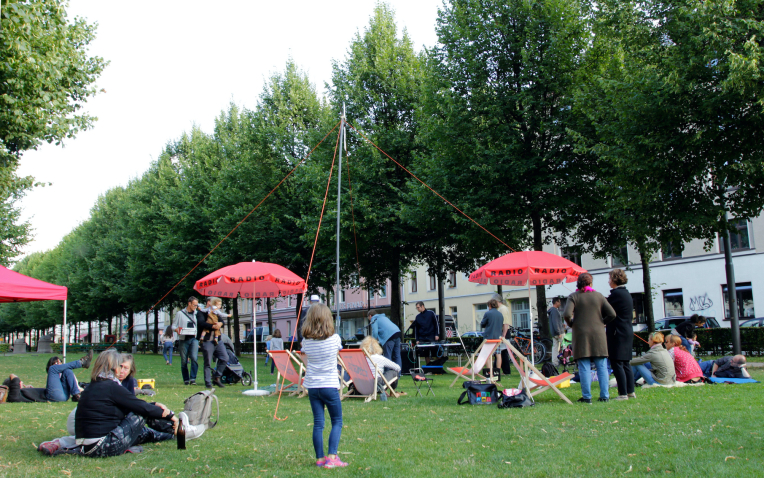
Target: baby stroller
(565,356)
(234,372)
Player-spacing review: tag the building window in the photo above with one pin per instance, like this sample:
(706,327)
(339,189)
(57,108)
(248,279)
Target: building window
(521,314)
(739,240)
(573,254)
(673,302)
(383,292)
(480,310)
(413,282)
(622,257)
(451,280)
(433,282)
(453,313)
(342,296)
(744,295)
(671,251)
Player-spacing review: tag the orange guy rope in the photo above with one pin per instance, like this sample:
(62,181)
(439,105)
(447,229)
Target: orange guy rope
(310,266)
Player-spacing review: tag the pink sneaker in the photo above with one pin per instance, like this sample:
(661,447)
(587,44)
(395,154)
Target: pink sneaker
(49,447)
(334,463)
(321,461)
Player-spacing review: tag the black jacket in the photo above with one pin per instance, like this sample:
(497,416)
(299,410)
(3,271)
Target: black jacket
(104,404)
(426,325)
(620,333)
(202,325)
(686,329)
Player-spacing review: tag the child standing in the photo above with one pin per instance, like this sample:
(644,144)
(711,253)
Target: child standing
(214,314)
(320,344)
(277,343)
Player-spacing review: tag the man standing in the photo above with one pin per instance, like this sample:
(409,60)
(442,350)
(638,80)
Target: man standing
(426,325)
(388,334)
(506,322)
(493,323)
(557,329)
(187,342)
(211,349)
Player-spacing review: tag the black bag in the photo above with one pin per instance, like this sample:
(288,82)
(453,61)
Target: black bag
(549,370)
(479,394)
(516,401)
(160,424)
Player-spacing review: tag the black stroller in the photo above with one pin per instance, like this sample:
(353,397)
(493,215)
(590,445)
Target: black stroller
(234,372)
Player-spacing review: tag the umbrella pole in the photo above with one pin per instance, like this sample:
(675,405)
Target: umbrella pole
(254,392)
(530,314)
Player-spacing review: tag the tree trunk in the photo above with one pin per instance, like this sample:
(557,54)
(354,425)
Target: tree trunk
(90,332)
(108,326)
(644,256)
(395,299)
(130,321)
(538,245)
(156,331)
(147,328)
(119,327)
(441,303)
(236,335)
(270,317)
(297,310)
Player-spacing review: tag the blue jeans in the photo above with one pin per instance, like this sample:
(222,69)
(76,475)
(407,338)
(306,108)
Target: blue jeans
(329,397)
(706,367)
(644,371)
(60,388)
(167,351)
(189,350)
(585,373)
(392,351)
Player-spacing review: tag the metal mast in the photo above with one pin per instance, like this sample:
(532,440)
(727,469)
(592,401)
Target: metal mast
(338,293)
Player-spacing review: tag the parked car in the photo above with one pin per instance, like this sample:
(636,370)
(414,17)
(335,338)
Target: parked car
(669,323)
(757,322)
(473,333)
(262,333)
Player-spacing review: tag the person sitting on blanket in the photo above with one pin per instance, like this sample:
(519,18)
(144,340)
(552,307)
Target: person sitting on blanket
(687,369)
(725,367)
(389,369)
(61,383)
(109,419)
(656,366)
(126,374)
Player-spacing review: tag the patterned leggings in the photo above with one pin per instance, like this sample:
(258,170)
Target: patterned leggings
(130,432)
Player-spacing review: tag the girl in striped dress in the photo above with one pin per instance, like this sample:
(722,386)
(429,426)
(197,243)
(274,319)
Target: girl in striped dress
(320,345)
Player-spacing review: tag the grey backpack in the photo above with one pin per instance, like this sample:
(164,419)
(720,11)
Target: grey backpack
(198,407)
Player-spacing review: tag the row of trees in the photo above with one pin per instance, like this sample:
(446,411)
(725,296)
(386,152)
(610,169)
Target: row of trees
(542,120)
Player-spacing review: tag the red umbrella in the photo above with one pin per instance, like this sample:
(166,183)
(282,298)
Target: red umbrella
(251,280)
(515,269)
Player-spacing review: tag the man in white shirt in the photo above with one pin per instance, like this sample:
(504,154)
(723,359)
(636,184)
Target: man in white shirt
(187,343)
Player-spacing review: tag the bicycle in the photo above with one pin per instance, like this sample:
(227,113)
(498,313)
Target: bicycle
(523,345)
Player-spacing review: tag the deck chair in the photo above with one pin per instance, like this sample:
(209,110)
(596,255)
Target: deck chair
(353,361)
(285,364)
(540,383)
(302,357)
(476,362)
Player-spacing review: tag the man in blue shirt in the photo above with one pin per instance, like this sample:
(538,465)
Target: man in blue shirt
(388,334)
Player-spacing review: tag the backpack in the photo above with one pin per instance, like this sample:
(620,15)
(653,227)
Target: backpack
(198,407)
(549,370)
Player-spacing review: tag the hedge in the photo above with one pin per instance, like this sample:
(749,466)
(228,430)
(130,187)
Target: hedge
(5,348)
(718,341)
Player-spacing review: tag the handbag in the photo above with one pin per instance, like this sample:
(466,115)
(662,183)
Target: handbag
(519,400)
(479,393)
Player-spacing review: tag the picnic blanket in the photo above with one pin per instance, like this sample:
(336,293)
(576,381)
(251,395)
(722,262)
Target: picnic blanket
(732,380)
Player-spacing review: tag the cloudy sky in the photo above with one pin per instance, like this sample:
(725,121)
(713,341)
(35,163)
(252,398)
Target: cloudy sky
(175,64)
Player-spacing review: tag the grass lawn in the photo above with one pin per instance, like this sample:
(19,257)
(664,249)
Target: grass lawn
(711,431)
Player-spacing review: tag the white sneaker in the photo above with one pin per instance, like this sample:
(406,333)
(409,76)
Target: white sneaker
(192,431)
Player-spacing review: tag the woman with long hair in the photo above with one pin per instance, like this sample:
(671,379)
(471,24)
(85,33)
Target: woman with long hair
(620,334)
(586,312)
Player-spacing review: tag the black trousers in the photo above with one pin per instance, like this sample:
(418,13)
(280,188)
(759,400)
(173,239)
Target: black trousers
(624,376)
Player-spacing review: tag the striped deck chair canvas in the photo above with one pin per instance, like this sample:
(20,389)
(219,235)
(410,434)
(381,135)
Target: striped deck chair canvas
(285,364)
(477,362)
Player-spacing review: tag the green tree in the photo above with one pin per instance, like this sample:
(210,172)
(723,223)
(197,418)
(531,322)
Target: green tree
(379,82)
(505,72)
(47,76)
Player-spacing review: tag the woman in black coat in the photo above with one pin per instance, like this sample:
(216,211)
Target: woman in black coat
(620,334)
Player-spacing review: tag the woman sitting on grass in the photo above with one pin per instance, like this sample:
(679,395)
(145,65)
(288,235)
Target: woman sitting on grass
(109,419)
(389,369)
(656,366)
(687,369)
(126,375)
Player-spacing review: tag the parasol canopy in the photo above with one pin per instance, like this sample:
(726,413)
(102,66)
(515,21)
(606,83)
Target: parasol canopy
(251,280)
(517,268)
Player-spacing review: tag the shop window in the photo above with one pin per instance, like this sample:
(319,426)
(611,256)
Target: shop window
(673,302)
(744,295)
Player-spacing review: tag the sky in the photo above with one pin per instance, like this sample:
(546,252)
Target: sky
(177,64)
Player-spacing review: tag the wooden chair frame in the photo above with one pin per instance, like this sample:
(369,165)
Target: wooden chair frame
(462,372)
(534,386)
(291,360)
(367,397)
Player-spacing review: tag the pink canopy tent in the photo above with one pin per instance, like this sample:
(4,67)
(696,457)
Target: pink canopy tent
(15,287)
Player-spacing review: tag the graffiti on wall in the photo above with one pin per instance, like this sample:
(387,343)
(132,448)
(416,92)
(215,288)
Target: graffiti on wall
(700,302)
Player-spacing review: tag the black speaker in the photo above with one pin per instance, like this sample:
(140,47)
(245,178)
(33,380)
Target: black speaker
(408,359)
